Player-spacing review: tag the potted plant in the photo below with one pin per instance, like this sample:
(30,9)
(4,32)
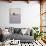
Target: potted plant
(37,33)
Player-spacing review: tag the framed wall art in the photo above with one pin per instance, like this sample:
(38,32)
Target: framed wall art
(14,15)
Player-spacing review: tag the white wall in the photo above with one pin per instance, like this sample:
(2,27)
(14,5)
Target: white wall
(30,14)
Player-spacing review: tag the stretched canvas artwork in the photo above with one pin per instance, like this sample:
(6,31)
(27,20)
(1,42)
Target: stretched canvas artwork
(15,16)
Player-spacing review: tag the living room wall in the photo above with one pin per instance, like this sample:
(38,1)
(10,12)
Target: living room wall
(30,14)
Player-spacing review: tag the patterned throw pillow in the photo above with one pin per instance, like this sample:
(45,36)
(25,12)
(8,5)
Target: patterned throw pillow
(17,30)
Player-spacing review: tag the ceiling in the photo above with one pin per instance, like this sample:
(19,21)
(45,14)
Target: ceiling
(23,0)
(19,0)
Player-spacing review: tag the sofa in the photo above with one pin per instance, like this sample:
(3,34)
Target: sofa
(18,35)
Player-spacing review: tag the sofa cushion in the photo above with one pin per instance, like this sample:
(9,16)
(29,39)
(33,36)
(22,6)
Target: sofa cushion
(17,30)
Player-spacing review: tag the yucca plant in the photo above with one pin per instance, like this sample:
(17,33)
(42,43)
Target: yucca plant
(35,28)
(37,33)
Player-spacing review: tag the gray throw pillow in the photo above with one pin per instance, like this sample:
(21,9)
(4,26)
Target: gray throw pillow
(17,30)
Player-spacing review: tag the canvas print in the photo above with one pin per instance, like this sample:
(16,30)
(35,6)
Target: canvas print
(15,16)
